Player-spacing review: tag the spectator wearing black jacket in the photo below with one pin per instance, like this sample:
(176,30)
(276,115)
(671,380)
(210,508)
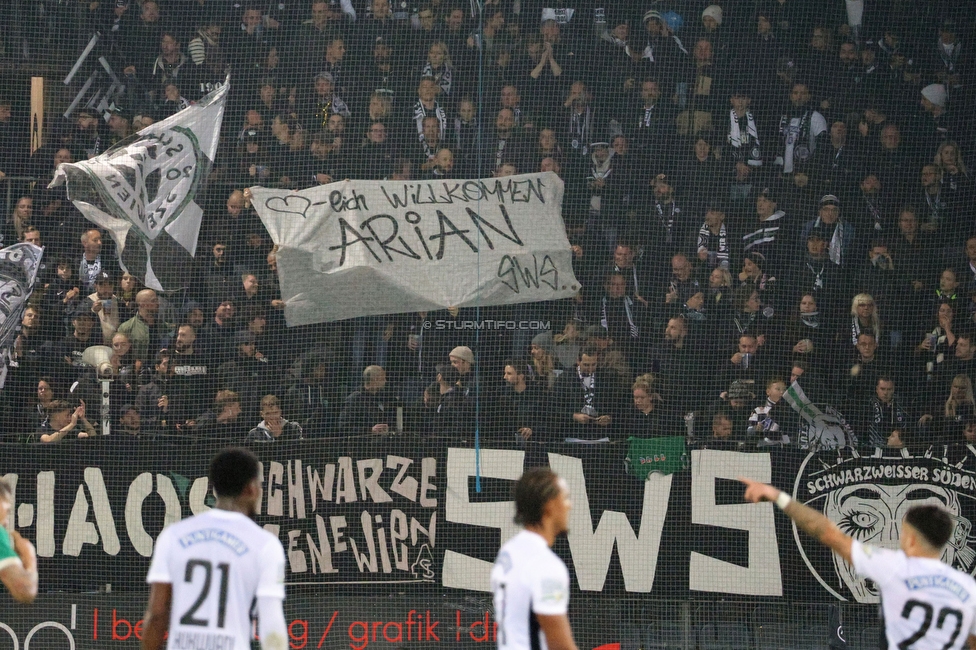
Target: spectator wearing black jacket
(519,414)
(369,409)
(587,401)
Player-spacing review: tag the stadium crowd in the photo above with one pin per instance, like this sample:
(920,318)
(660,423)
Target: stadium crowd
(759,195)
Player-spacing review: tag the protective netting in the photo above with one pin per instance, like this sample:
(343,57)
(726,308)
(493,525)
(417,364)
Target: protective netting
(656,246)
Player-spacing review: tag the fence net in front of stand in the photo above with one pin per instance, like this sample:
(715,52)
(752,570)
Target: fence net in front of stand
(405,250)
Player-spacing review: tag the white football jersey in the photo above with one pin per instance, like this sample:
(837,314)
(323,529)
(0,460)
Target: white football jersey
(527,579)
(926,603)
(218,562)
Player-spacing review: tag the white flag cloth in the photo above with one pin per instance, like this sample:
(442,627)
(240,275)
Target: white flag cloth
(361,248)
(19,265)
(143,189)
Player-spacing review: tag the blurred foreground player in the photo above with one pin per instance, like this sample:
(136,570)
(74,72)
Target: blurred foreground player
(925,603)
(18,561)
(208,569)
(530,584)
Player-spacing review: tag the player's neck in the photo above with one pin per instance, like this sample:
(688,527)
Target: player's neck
(232,505)
(543,531)
(923,553)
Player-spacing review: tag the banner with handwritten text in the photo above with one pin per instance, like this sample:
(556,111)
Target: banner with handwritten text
(361,248)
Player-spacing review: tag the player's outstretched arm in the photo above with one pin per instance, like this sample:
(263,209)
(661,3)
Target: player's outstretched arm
(20,579)
(559,634)
(156,620)
(971,642)
(808,519)
(271,619)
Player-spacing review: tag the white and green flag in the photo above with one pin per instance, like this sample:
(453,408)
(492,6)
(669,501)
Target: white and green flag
(143,191)
(822,427)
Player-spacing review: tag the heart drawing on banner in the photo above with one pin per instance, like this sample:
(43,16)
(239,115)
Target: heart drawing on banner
(289,205)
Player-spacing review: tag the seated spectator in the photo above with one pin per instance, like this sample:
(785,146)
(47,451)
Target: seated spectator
(520,414)
(885,420)
(864,319)
(145,330)
(161,405)
(622,316)
(739,400)
(105,305)
(720,436)
(647,417)
(130,422)
(223,423)
(68,358)
(40,414)
(542,367)
(586,401)
(63,421)
(961,362)
(612,358)
(837,231)
(938,344)
(369,409)
(945,423)
(857,378)
(715,242)
(773,424)
(248,373)
(272,426)
(748,363)
(808,332)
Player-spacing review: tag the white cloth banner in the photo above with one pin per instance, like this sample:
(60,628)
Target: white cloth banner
(143,189)
(361,248)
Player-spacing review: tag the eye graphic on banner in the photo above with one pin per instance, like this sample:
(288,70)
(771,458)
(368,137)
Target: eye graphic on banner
(143,191)
(867,497)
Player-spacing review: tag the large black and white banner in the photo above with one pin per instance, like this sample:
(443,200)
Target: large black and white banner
(359,248)
(18,272)
(405,516)
(143,191)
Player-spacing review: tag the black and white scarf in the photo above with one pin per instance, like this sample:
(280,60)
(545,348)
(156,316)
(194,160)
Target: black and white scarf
(420,112)
(89,271)
(818,280)
(810,319)
(645,122)
(798,139)
(856,331)
(580,130)
(589,388)
(745,147)
(745,322)
(951,56)
(443,76)
(668,221)
(715,243)
(873,210)
(628,310)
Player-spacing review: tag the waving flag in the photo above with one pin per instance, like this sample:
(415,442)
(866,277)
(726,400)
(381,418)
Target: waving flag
(18,271)
(143,191)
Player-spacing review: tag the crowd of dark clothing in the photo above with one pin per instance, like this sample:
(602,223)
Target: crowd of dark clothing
(769,206)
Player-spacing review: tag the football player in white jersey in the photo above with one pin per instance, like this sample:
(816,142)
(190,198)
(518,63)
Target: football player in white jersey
(529,582)
(207,570)
(927,605)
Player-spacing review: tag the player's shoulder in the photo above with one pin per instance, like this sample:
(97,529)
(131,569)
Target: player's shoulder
(529,552)
(230,528)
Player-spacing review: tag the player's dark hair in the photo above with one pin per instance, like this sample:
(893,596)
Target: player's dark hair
(6,492)
(933,522)
(534,489)
(231,470)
